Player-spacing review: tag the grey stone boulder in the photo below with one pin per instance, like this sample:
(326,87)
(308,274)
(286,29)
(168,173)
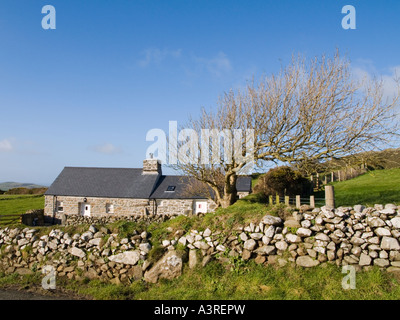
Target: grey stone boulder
(306,261)
(291,223)
(265,250)
(77,252)
(389,243)
(304,232)
(145,247)
(281,245)
(193,261)
(201,245)
(380,232)
(395,222)
(381,262)
(22,242)
(207,232)
(359,208)
(221,248)
(256,235)
(328,212)
(292,238)
(375,222)
(269,232)
(365,260)
(322,236)
(86,236)
(168,267)
(127,257)
(271,220)
(249,244)
(95,241)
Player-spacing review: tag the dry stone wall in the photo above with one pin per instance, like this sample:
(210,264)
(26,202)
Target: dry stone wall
(358,236)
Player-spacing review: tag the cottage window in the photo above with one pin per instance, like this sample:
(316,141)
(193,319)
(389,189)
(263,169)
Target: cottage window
(109,208)
(170,188)
(60,206)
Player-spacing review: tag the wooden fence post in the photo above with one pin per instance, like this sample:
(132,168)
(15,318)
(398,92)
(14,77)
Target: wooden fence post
(330,196)
(287,200)
(312,202)
(271,200)
(277,199)
(332,176)
(298,202)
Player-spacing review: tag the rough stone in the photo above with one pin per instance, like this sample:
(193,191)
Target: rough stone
(281,245)
(168,267)
(265,250)
(256,236)
(292,238)
(292,223)
(381,262)
(269,232)
(375,222)
(271,220)
(303,232)
(127,257)
(192,259)
(249,244)
(395,222)
(389,243)
(77,252)
(380,232)
(306,261)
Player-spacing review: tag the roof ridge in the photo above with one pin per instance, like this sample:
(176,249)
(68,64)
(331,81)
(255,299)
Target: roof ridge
(103,168)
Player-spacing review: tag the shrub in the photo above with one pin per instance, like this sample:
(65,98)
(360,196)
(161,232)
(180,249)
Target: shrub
(283,181)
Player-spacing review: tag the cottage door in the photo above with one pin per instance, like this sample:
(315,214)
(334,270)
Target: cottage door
(200,207)
(85,210)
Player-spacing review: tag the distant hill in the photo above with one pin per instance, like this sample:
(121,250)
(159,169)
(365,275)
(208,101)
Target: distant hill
(5,186)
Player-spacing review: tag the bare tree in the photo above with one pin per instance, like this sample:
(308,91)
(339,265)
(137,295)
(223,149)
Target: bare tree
(311,110)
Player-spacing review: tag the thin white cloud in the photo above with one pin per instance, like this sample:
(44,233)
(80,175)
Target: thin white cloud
(217,66)
(156,56)
(366,71)
(106,148)
(6,145)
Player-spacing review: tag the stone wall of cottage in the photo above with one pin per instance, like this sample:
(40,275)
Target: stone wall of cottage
(99,207)
(242,194)
(180,206)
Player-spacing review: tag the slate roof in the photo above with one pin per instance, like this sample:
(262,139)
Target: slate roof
(180,192)
(103,182)
(125,183)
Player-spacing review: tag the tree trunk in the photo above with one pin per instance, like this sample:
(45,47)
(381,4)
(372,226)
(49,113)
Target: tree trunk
(230,192)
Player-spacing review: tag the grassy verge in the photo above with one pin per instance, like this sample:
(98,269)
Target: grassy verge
(378,186)
(247,281)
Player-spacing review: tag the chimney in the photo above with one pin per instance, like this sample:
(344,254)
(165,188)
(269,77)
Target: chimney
(151,166)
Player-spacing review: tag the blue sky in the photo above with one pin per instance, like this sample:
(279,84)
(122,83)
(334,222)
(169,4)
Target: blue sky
(86,93)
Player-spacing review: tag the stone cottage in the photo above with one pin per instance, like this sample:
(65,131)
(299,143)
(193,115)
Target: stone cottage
(126,191)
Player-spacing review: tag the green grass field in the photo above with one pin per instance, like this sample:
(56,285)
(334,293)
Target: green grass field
(18,204)
(379,186)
